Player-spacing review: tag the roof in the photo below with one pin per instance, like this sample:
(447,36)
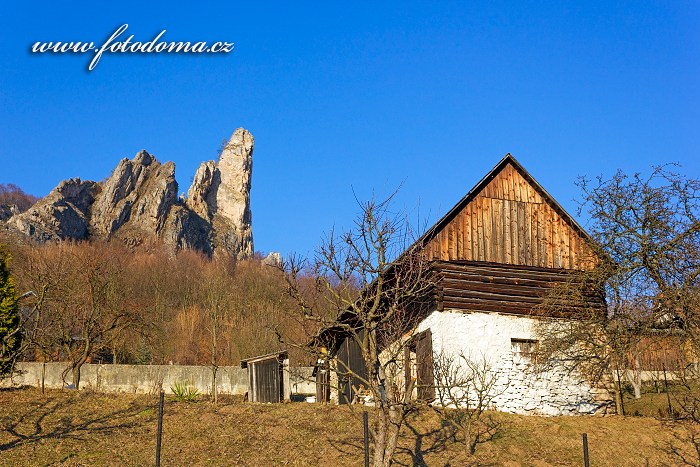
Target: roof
(507,159)
(330,335)
(279,355)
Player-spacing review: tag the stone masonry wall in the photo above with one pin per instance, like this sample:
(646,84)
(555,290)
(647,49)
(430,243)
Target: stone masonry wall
(519,388)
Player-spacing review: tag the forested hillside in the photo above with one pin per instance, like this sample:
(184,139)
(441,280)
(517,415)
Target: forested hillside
(103,302)
(14,200)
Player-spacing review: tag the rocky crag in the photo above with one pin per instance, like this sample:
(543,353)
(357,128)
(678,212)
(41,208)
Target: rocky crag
(138,203)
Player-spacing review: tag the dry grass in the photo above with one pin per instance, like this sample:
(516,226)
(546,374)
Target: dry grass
(84,428)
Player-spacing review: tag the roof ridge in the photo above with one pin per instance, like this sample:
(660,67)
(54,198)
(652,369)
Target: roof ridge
(481,184)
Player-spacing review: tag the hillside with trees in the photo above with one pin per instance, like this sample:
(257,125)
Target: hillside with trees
(13,200)
(105,302)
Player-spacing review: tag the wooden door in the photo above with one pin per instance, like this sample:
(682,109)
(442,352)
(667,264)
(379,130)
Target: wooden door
(267,381)
(424,366)
(352,371)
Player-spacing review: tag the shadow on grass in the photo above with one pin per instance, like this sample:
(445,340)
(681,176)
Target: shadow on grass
(22,388)
(49,419)
(423,442)
(349,446)
(684,447)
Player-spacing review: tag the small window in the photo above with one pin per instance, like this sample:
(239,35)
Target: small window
(523,350)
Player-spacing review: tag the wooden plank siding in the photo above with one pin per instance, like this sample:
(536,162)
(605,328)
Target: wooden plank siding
(495,287)
(267,379)
(511,221)
(352,371)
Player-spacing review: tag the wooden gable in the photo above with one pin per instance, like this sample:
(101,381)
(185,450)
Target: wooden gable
(509,218)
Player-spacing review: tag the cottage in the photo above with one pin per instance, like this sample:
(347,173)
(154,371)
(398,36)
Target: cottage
(495,255)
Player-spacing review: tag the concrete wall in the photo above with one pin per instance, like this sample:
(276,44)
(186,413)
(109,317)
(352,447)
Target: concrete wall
(150,378)
(519,388)
(301,381)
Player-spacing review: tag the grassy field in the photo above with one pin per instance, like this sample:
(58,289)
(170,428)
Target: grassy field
(85,428)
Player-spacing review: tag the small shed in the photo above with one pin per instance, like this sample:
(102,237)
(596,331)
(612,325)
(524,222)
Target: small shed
(268,377)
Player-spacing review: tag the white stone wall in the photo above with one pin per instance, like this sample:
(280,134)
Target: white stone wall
(487,337)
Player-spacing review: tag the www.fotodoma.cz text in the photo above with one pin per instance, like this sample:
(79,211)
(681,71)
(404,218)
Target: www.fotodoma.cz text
(128,45)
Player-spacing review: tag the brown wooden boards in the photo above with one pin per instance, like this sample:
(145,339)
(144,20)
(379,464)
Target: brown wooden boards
(494,287)
(510,219)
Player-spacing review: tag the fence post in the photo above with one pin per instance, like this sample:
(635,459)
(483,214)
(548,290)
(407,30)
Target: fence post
(365,423)
(160,427)
(622,395)
(585,450)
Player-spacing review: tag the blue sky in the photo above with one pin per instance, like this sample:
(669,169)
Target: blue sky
(351,98)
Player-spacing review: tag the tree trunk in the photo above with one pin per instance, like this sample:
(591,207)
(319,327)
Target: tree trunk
(637,383)
(76,375)
(390,418)
(393,435)
(634,376)
(376,381)
(619,407)
(77,365)
(380,440)
(637,386)
(395,416)
(214,390)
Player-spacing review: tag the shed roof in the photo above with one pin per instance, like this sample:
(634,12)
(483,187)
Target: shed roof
(280,355)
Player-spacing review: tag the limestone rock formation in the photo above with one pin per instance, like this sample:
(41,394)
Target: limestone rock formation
(273,259)
(7,211)
(137,197)
(184,229)
(63,214)
(201,197)
(138,203)
(220,193)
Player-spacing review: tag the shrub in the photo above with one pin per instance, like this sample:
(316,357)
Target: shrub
(182,392)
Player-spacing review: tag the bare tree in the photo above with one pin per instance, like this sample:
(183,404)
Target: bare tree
(85,304)
(645,260)
(170,303)
(216,287)
(466,389)
(13,196)
(374,278)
